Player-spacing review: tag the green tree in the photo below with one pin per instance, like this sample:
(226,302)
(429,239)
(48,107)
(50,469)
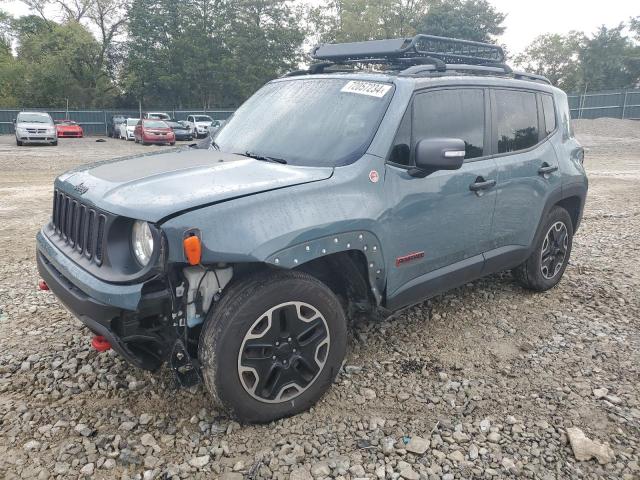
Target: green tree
(609,59)
(205,53)
(57,61)
(474,20)
(556,57)
(359,20)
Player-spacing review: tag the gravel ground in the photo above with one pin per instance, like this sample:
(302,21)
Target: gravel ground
(487,381)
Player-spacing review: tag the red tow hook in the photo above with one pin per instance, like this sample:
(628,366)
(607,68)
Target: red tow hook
(42,285)
(100,343)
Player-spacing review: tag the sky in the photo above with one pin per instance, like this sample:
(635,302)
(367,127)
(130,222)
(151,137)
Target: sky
(523,22)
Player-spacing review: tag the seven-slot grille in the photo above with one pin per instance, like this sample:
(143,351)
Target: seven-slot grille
(79,226)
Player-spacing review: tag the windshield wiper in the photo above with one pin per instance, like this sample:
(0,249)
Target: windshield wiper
(264,158)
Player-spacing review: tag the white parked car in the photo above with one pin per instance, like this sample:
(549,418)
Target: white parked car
(127,128)
(199,125)
(35,127)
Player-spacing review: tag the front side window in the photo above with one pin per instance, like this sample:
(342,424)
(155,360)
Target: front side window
(456,113)
(517,120)
(311,122)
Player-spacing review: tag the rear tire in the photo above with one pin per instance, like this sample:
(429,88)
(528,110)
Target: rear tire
(273,345)
(552,248)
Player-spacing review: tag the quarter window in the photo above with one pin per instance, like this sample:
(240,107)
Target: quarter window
(456,113)
(401,151)
(549,114)
(517,115)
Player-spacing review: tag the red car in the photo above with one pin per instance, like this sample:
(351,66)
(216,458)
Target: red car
(153,131)
(68,128)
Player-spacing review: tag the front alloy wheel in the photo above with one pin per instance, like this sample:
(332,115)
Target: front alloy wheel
(272,346)
(283,352)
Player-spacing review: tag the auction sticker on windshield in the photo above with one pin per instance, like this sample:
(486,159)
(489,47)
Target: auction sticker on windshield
(372,89)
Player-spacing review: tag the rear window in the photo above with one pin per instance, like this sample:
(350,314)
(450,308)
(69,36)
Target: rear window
(517,120)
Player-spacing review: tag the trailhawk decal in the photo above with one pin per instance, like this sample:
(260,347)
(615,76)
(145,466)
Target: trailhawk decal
(371,89)
(408,258)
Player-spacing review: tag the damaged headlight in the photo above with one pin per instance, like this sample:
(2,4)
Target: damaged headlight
(142,242)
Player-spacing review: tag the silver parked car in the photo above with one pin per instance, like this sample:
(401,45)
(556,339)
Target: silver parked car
(35,127)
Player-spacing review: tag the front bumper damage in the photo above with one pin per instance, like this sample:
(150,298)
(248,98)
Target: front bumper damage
(135,320)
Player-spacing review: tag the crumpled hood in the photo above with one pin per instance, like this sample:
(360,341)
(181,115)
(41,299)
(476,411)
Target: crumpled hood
(153,186)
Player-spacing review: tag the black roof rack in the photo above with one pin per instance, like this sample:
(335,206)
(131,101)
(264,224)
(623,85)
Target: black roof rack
(448,50)
(420,55)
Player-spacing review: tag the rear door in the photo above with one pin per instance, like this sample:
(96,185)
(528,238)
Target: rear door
(438,221)
(527,165)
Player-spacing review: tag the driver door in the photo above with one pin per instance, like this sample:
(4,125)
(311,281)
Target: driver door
(438,226)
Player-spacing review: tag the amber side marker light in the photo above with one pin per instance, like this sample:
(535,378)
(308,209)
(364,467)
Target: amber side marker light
(192,249)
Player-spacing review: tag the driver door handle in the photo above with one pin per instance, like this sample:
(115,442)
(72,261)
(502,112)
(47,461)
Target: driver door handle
(481,184)
(546,169)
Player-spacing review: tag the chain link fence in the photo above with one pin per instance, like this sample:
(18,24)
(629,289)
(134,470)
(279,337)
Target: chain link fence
(94,122)
(622,103)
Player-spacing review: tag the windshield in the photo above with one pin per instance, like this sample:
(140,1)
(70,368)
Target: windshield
(202,118)
(175,125)
(66,123)
(155,124)
(132,121)
(313,122)
(34,118)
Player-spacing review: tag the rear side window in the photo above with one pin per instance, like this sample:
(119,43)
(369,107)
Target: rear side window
(549,112)
(517,120)
(456,113)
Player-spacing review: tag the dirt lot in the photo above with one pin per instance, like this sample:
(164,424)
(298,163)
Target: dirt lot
(482,382)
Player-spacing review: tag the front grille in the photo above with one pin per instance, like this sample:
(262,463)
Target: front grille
(79,226)
(36,130)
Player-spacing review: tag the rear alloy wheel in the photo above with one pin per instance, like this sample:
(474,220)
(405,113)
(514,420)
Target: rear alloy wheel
(552,248)
(273,345)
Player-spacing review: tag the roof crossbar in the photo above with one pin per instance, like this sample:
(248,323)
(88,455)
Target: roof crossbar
(449,50)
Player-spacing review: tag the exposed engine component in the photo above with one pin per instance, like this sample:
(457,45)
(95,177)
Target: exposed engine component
(203,286)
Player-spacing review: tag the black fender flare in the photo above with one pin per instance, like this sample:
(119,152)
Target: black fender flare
(359,240)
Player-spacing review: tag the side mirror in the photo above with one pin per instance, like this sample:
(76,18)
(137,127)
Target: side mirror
(433,154)
(14,121)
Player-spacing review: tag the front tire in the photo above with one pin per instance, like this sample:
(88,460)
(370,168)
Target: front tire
(552,248)
(18,143)
(273,345)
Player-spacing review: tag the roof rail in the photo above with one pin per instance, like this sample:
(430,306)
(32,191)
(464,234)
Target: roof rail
(496,69)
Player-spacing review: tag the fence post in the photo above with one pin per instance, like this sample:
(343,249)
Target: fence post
(624,103)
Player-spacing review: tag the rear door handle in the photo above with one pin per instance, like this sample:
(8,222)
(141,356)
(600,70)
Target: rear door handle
(546,169)
(481,184)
